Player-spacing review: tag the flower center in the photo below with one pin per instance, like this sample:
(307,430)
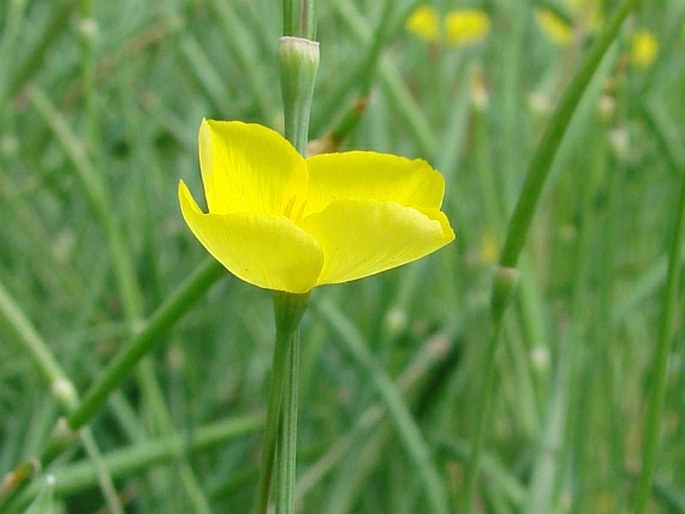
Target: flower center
(294,213)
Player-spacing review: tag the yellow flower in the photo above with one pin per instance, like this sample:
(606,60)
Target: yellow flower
(460,27)
(466,26)
(282,222)
(489,250)
(557,29)
(424,23)
(585,13)
(644,49)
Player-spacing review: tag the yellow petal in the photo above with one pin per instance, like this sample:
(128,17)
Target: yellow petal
(423,22)
(248,168)
(265,250)
(360,237)
(372,176)
(466,26)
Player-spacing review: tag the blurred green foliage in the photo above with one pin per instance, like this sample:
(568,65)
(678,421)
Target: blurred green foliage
(100,103)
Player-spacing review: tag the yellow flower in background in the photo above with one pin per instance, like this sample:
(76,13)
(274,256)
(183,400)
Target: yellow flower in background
(556,28)
(467,26)
(489,248)
(283,222)
(560,30)
(424,23)
(644,49)
(460,27)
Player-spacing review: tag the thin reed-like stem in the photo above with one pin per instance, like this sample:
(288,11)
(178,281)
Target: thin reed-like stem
(177,304)
(287,432)
(404,424)
(289,309)
(298,62)
(517,232)
(657,396)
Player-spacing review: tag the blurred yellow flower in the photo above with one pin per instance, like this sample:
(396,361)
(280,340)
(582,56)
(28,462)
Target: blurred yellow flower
(644,49)
(282,222)
(424,23)
(557,29)
(466,26)
(460,27)
(560,30)
(489,249)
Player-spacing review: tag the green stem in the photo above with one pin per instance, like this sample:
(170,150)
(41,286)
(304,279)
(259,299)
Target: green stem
(287,433)
(413,117)
(405,425)
(21,330)
(430,361)
(124,463)
(88,171)
(13,319)
(289,309)
(159,323)
(298,61)
(58,24)
(45,499)
(505,278)
(299,18)
(235,35)
(660,364)
(272,418)
(482,416)
(118,370)
(541,163)
(104,478)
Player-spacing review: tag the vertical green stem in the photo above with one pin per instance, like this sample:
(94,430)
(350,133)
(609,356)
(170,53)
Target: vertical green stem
(287,432)
(289,309)
(407,429)
(280,360)
(505,277)
(486,388)
(660,365)
(298,61)
(299,18)
(88,30)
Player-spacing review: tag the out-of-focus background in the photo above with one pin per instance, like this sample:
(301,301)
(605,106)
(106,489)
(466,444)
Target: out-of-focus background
(100,103)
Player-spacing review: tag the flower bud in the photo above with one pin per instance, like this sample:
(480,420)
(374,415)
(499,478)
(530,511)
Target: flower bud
(298,61)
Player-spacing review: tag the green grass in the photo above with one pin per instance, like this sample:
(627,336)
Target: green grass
(112,315)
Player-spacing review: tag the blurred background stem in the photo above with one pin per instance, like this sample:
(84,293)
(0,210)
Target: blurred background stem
(504,280)
(659,365)
(102,100)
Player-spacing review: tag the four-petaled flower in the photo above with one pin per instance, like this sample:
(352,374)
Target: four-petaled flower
(283,222)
